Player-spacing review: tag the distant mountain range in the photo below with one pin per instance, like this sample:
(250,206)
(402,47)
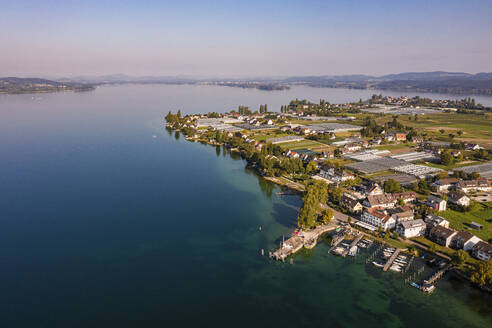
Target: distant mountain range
(438,81)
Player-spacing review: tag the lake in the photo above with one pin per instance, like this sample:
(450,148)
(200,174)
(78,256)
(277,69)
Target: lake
(109,220)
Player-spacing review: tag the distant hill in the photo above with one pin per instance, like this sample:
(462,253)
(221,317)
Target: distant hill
(438,81)
(35,85)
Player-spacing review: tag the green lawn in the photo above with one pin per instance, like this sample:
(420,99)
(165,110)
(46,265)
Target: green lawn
(483,215)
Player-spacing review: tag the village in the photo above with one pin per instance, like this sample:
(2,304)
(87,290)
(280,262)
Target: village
(370,176)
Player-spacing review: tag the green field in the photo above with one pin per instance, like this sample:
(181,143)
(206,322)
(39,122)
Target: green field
(301,144)
(478,127)
(483,215)
(394,147)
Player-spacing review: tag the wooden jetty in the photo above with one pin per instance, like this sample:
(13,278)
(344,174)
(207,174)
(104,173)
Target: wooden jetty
(437,275)
(307,239)
(391,259)
(352,244)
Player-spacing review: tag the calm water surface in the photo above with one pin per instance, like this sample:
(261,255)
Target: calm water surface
(104,225)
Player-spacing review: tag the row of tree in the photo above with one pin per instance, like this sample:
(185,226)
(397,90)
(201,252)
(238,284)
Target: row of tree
(310,215)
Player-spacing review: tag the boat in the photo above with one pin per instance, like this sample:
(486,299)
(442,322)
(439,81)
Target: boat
(428,288)
(379,265)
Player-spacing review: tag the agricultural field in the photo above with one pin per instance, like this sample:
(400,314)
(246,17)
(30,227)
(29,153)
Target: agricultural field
(482,215)
(301,144)
(268,135)
(475,128)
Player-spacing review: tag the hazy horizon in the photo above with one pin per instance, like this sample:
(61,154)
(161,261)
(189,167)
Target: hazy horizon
(243,39)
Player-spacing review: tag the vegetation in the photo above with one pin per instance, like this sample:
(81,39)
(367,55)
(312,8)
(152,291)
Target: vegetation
(482,274)
(315,194)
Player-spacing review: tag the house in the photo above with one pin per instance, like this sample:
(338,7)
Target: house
(455,153)
(458,198)
(378,217)
(482,251)
(403,216)
(412,228)
(400,136)
(472,146)
(407,197)
(433,220)
(442,235)
(445,184)
(374,189)
(351,203)
(335,174)
(384,201)
(473,185)
(464,240)
(436,203)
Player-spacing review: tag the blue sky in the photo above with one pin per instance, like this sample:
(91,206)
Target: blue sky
(243,38)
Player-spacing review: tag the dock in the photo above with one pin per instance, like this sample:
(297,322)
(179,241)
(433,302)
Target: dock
(352,244)
(437,275)
(391,259)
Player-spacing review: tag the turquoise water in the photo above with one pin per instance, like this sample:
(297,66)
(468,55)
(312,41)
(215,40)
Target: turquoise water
(105,225)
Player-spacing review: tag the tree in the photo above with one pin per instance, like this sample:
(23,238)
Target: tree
(446,158)
(460,257)
(442,131)
(433,248)
(179,113)
(311,167)
(482,274)
(391,185)
(327,216)
(460,133)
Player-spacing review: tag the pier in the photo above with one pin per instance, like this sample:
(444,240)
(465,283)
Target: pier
(352,244)
(437,275)
(307,239)
(391,259)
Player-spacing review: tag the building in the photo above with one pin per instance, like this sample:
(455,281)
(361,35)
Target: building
(433,220)
(407,197)
(398,136)
(403,216)
(279,140)
(458,198)
(350,203)
(482,251)
(378,217)
(473,185)
(445,184)
(464,240)
(335,174)
(384,201)
(442,235)
(436,203)
(413,228)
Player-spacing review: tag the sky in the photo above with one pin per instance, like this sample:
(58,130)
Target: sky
(243,38)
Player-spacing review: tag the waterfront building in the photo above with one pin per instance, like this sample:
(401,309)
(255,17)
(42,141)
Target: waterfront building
(464,240)
(482,251)
(378,217)
(442,235)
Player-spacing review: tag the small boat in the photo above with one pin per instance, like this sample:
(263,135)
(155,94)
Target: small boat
(428,288)
(379,265)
